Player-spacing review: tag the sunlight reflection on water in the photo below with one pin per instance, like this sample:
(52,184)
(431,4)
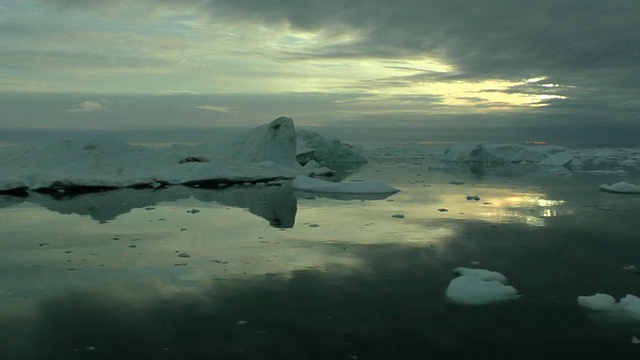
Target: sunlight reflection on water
(179,244)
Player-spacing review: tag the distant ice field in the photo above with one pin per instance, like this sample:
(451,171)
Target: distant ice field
(368,136)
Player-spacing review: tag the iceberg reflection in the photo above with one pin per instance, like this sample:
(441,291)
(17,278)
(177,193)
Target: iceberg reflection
(275,204)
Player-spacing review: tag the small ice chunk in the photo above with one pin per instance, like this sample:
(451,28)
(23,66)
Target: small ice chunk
(628,306)
(598,302)
(361,187)
(635,340)
(241,322)
(472,290)
(479,286)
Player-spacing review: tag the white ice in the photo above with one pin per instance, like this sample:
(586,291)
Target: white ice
(628,306)
(598,302)
(486,275)
(265,153)
(621,187)
(356,187)
(479,287)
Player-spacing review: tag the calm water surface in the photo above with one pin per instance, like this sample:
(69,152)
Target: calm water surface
(263,272)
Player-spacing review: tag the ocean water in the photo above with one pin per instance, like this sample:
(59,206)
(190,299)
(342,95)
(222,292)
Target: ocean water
(265,272)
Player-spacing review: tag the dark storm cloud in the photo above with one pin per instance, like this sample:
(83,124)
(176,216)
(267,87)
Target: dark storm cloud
(587,47)
(482,39)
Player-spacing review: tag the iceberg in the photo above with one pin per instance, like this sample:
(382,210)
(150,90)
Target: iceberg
(502,153)
(479,287)
(266,153)
(312,146)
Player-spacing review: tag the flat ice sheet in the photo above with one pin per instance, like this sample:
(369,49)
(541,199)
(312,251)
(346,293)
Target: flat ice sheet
(621,187)
(357,187)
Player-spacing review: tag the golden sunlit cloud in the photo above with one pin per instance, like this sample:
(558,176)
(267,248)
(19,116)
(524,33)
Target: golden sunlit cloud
(88,106)
(224,109)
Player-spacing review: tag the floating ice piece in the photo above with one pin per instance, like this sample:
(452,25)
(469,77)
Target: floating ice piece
(479,287)
(628,306)
(621,187)
(598,302)
(558,159)
(360,187)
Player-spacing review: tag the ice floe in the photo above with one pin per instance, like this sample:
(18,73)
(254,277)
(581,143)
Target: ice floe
(265,153)
(351,187)
(515,160)
(628,306)
(479,287)
(621,187)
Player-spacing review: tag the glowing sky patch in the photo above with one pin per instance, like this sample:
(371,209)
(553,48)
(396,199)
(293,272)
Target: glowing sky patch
(403,57)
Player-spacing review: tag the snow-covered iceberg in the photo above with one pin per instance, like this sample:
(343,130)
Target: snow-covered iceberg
(479,287)
(265,153)
(621,187)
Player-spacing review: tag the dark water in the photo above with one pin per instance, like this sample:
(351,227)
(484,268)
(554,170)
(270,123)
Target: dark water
(273,274)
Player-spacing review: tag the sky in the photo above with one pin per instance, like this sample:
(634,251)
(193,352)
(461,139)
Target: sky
(126,63)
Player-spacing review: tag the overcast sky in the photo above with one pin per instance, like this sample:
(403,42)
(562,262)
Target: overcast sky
(251,60)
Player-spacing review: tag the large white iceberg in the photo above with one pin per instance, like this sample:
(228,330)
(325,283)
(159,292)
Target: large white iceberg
(266,153)
(479,287)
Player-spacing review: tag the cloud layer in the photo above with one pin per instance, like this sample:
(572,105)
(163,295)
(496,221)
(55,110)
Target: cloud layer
(419,56)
